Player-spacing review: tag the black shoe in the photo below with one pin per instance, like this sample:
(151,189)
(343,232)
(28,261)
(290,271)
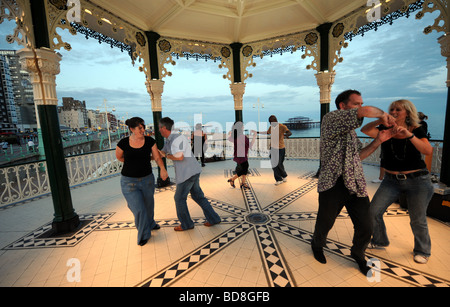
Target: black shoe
(362,264)
(318,255)
(156,227)
(143,242)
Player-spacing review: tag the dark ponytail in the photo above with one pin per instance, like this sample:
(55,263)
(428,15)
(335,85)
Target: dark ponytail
(134,122)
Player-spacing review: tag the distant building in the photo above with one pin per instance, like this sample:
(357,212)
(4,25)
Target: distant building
(73,114)
(111,118)
(8,114)
(93,119)
(22,89)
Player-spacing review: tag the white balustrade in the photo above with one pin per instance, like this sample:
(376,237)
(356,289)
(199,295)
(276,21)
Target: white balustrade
(26,181)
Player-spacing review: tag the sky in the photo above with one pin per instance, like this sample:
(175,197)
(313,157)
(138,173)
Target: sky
(394,62)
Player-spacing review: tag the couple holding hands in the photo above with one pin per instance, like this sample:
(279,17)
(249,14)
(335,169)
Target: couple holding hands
(342,182)
(138,182)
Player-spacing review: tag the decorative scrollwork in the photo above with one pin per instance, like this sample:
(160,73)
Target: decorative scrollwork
(341,30)
(440,23)
(18,10)
(409,7)
(127,37)
(170,49)
(59,4)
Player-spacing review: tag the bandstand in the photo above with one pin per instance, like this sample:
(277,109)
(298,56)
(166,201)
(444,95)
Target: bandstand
(158,33)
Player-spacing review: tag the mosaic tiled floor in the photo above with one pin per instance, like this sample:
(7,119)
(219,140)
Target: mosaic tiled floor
(263,222)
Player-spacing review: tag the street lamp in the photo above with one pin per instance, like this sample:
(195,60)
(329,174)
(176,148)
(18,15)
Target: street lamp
(107,120)
(258,105)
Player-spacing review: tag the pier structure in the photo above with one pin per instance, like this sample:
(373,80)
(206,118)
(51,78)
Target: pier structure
(301,122)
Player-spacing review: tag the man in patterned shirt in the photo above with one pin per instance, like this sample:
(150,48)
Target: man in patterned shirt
(341,178)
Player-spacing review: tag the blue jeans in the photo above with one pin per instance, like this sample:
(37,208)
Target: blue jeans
(138,193)
(192,185)
(418,193)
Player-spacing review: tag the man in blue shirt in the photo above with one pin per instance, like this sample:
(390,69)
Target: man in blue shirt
(187,174)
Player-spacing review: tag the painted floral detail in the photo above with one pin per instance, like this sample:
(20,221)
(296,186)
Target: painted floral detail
(164,46)
(311,38)
(247,51)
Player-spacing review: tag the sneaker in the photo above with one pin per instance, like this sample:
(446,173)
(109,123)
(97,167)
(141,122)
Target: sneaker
(278,182)
(285,179)
(420,259)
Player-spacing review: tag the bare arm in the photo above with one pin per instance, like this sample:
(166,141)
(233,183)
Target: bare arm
(422,145)
(371,128)
(373,112)
(176,157)
(157,157)
(119,154)
(288,134)
(381,137)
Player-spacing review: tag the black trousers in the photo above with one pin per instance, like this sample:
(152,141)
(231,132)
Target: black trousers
(331,203)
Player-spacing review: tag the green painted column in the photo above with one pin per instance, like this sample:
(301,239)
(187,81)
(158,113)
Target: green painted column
(65,218)
(155,88)
(43,65)
(238,116)
(324,81)
(237,87)
(444,41)
(445,166)
(158,137)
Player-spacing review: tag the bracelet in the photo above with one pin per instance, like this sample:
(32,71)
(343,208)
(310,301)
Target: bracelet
(410,137)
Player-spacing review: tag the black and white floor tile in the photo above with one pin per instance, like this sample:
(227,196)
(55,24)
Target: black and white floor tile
(265,221)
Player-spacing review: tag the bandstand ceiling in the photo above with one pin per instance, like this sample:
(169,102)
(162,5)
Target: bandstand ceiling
(228,21)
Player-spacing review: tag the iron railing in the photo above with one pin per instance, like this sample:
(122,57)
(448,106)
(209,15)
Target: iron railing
(30,180)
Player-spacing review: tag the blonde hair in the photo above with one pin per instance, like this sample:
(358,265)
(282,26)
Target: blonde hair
(412,118)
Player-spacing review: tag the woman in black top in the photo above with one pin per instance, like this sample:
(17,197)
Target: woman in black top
(137,181)
(405,172)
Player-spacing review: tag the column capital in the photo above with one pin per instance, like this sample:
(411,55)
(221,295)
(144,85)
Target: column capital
(43,66)
(325,80)
(155,88)
(48,60)
(238,91)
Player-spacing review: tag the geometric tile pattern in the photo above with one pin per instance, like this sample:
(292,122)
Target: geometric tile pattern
(169,274)
(34,239)
(251,172)
(277,271)
(387,267)
(264,229)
